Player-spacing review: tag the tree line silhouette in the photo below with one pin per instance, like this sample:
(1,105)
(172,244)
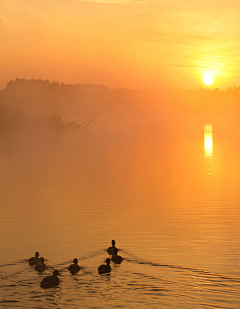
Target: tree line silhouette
(43,104)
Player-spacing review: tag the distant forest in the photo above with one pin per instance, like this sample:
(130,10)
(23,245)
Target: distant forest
(41,104)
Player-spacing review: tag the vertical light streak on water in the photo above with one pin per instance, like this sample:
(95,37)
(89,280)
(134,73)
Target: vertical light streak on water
(208,145)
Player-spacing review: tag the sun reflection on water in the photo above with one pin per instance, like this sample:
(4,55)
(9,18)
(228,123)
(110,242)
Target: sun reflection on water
(208,144)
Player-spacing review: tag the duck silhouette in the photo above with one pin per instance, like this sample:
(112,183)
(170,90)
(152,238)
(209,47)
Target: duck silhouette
(112,250)
(74,268)
(40,266)
(117,259)
(102,269)
(50,281)
(34,260)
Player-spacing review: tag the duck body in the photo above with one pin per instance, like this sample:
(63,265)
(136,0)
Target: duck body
(102,269)
(117,259)
(50,281)
(40,266)
(74,268)
(34,260)
(112,250)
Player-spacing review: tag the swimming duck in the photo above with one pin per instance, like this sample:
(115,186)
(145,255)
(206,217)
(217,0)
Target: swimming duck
(40,266)
(102,269)
(117,259)
(74,268)
(50,281)
(34,260)
(112,250)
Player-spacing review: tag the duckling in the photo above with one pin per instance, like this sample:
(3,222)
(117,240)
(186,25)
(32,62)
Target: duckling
(50,281)
(74,268)
(105,268)
(34,260)
(113,249)
(40,266)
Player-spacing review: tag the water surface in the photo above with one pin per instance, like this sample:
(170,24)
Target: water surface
(169,197)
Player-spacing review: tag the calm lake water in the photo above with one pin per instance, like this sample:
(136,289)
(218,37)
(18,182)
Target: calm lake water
(169,196)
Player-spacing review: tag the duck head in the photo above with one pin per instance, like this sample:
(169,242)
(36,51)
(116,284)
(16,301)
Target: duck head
(75,261)
(56,273)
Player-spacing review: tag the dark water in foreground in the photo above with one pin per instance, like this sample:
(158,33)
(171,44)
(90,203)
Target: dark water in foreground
(136,283)
(171,202)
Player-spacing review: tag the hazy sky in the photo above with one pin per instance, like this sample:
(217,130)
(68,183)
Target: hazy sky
(121,43)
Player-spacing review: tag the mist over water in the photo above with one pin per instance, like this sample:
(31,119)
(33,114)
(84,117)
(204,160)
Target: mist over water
(91,165)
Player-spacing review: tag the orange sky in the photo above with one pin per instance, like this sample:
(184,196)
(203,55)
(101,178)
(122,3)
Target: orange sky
(121,43)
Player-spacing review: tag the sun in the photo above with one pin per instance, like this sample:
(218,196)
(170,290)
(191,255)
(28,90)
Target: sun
(207,79)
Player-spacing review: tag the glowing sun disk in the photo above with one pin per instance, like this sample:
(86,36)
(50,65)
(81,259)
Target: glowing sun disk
(207,79)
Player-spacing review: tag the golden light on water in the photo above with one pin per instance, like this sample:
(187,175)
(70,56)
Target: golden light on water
(208,146)
(208,139)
